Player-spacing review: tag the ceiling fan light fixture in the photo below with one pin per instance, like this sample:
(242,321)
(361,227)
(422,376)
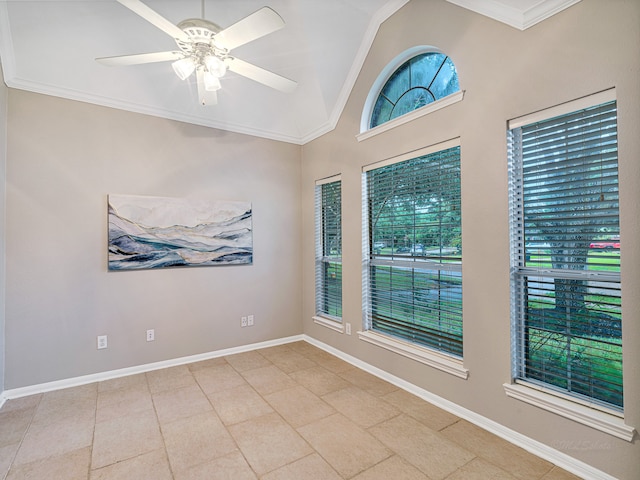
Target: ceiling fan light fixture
(211,82)
(184,67)
(215,66)
(204,48)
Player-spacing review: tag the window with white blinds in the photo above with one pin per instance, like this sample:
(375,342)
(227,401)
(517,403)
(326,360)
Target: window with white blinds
(565,245)
(413,271)
(329,248)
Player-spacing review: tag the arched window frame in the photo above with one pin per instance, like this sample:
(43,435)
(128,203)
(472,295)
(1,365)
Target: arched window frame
(378,85)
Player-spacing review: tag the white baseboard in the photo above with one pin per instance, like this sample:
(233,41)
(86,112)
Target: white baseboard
(539,449)
(123,372)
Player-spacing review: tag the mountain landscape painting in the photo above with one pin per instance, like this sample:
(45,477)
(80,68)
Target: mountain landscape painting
(159,232)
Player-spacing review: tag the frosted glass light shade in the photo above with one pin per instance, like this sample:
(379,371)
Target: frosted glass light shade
(184,67)
(215,66)
(211,82)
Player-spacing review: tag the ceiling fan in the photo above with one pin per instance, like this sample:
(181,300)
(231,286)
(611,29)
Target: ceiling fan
(205,48)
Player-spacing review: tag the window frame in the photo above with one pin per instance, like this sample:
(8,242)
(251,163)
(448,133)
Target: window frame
(321,316)
(575,406)
(443,361)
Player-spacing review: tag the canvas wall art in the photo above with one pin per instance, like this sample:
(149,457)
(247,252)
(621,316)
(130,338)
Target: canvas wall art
(159,232)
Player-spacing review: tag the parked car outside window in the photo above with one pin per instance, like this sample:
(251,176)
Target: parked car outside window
(611,243)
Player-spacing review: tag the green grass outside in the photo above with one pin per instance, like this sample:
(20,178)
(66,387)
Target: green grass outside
(586,366)
(332,302)
(597,260)
(608,305)
(435,321)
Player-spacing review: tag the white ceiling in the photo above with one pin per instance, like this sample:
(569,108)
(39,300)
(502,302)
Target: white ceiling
(49,46)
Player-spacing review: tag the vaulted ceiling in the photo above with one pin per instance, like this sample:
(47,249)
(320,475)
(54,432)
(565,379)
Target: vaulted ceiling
(50,46)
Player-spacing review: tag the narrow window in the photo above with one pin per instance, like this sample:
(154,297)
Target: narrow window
(329,249)
(565,244)
(413,266)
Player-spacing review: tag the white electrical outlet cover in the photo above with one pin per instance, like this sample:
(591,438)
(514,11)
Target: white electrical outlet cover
(102,342)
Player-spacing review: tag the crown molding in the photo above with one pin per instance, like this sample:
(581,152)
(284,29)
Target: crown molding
(75,95)
(520,18)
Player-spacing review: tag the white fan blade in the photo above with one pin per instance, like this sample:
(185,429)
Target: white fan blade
(155,19)
(261,75)
(256,25)
(205,97)
(124,60)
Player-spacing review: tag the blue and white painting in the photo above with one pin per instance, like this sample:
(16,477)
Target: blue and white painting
(158,232)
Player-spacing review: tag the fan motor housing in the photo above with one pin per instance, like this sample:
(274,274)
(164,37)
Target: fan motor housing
(201,33)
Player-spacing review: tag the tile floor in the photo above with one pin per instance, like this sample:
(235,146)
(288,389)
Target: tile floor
(286,412)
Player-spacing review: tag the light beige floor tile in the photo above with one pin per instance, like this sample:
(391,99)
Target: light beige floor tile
(367,382)
(239,404)
(312,467)
(211,362)
(126,437)
(422,447)
(129,381)
(290,361)
(152,465)
(319,380)
(195,440)
(303,348)
(268,443)
(14,425)
(7,454)
(559,474)
(515,460)
(70,402)
(361,407)
(172,405)
(395,468)
(480,469)
(267,380)
(122,403)
(29,402)
(73,465)
(170,378)
(330,362)
(345,446)
(433,417)
(51,439)
(230,467)
(82,393)
(299,406)
(242,362)
(218,378)
(108,395)
(275,350)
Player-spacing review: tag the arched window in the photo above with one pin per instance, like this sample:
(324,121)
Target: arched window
(415,78)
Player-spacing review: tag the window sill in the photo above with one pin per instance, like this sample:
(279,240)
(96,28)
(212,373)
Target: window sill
(607,422)
(335,325)
(409,117)
(432,358)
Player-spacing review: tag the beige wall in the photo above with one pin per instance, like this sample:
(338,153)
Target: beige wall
(592,46)
(64,158)
(3,162)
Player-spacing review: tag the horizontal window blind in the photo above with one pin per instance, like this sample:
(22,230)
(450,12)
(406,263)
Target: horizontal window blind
(414,242)
(329,248)
(565,238)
